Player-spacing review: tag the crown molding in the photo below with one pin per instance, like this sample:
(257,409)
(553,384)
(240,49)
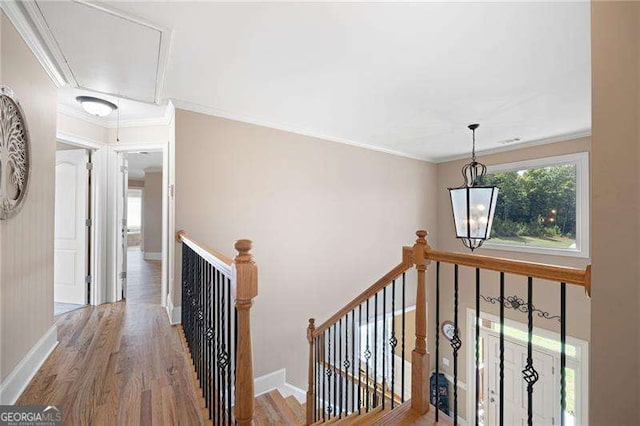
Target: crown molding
(19,13)
(585,133)
(112,124)
(202,109)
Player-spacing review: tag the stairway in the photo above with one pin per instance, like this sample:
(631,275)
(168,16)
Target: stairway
(402,415)
(274,409)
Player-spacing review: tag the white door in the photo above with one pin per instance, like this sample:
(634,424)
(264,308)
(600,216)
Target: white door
(70,255)
(515,388)
(122,223)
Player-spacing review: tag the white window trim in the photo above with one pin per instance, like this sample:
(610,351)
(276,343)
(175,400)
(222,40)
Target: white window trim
(581,160)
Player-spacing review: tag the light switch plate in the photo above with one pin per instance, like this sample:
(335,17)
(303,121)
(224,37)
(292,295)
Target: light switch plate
(445,361)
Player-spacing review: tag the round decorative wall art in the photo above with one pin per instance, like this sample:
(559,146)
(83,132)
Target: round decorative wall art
(15,155)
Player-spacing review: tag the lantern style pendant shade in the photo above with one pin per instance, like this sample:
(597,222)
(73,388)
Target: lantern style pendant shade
(473,206)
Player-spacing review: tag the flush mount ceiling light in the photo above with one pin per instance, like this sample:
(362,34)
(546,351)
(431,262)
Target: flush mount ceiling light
(473,205)
(96,106)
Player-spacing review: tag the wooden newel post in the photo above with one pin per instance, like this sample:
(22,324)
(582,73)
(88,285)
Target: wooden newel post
(246,289)
(420,356)
(310,395)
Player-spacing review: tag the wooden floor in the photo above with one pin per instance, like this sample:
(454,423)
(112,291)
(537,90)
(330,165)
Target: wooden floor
(120,363)
(143,278)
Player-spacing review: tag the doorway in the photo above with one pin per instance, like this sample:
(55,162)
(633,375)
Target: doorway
(546,360)
(72,257)
(142,212)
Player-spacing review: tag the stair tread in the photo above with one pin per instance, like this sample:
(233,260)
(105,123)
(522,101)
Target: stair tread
(298,409)
(366,418)
(272,409)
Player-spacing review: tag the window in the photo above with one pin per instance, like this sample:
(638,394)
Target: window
(542,205)
(134,209)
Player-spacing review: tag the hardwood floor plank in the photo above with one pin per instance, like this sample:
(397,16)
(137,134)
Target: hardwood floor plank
(119,363)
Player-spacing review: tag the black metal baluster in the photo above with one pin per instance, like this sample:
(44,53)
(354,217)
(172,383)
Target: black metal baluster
(477,345)
(207,316)
(384,341)
(359,358)
(353,359)
(367,356)
(529,373)
(315,375)
(335,375)
(393,341)
(339,368)
(214,345)
(200,317)
(456,344)
(183,312)
(325,370)
(501,348)
(563,351)
(229,305)
(403,334)
(437,334)
(375,351)
(345,379)
(220,338)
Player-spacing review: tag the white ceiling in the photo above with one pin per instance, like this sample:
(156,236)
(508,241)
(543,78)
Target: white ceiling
(105,52)
(400,77)
(139,163)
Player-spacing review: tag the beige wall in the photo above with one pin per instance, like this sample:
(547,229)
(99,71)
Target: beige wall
(139,134)
(326,219)
(615,322)
(82,129)
(546,294)
(152,209)
(26,260)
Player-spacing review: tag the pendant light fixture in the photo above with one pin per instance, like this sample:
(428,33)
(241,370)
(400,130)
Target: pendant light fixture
(473,205)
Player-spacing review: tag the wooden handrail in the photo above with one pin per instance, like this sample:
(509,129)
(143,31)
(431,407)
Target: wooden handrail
(377,286)
(181,236)
(575,276)
(243,273)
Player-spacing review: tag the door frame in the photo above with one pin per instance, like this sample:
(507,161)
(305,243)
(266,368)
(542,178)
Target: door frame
(97,187)
(581,366)
(114,168)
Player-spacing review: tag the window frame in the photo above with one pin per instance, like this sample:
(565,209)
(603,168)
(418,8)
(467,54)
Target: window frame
(581,161)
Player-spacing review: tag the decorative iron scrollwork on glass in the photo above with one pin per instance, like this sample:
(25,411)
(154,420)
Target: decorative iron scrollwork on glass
(15,154)
(516,303)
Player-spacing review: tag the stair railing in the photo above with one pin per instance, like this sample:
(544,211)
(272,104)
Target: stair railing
(557,275)
(351,368)
(217,295)
(337,350)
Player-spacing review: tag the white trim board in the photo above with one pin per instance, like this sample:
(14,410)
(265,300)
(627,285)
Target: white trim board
(173,312)
(17,381)
(277,380)
(150,255)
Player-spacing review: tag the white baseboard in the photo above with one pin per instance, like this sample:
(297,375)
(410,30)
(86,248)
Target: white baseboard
(150,255)
(278,380)
(174,312)
(16,382)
